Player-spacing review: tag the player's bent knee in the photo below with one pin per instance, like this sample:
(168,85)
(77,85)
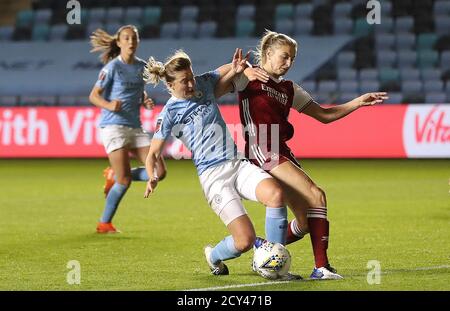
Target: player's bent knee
(126,180)
(244,243)
(275,196)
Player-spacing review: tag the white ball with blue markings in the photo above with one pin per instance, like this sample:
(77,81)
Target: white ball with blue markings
(271,260)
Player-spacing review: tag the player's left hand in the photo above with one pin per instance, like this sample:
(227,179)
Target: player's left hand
(151,185)
(148,103)
(371,99)
(256,73)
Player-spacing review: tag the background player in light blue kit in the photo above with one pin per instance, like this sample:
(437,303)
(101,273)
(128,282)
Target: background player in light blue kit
(119,91)
(192,115)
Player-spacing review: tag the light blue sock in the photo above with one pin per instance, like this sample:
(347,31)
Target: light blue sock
(139,173)
(224,250)
(112,201)
(276,224)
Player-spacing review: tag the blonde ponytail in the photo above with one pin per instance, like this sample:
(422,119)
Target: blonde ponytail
(103,42)
(156,72)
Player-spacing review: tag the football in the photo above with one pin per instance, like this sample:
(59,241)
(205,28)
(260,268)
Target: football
(271,260)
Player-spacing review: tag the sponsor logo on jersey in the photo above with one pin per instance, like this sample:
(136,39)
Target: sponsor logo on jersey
(271,92)
(196,113)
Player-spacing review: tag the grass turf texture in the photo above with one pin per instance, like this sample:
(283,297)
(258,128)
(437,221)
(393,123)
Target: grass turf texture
(393,211)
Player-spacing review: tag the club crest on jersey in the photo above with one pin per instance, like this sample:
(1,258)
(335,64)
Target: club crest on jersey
(274,157)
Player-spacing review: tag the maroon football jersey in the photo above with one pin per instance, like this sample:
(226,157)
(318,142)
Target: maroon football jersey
(264,110)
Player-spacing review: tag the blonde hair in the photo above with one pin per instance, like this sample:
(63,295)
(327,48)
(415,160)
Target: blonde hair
(105,43)
(269,39)
(156,72)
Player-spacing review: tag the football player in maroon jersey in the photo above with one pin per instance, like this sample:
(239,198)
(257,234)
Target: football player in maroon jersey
(264,109)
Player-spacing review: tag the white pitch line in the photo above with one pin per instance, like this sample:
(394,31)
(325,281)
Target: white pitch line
(238,286)
(433,268)
(306,280)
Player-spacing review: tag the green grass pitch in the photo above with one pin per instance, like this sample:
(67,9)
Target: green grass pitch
(394,211)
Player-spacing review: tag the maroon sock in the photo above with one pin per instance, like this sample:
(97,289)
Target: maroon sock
(319,229)
(294,233)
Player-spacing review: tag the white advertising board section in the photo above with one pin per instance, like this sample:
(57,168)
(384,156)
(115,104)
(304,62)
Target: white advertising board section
(426,131)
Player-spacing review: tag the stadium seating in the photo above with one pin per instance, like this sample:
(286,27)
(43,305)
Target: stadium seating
(407,54)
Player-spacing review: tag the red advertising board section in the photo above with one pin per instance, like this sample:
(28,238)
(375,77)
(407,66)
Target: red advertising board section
(373,132)
(385,131)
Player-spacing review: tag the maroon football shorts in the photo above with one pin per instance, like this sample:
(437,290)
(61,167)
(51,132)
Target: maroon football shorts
(268,160)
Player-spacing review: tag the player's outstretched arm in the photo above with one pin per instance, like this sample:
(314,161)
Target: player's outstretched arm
(238,65)
(154,154)
(327,115)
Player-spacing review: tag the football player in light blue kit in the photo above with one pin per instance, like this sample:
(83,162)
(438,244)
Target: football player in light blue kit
(192,115)
(119,91)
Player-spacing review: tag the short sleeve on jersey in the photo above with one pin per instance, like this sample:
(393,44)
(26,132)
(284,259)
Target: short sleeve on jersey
(208,80)
(301,98)
(163,126)
(105,77)
(240,82)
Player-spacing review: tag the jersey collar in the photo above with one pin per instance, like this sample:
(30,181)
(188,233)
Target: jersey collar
(121,59)
(276,80)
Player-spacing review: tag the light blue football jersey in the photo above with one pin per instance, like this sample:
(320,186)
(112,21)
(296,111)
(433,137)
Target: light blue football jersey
(197,122)
(123,82)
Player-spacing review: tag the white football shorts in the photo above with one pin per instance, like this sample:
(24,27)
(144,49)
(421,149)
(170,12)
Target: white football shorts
(226,184)
(120,136)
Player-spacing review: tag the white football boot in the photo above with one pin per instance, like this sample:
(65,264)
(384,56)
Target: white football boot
(216,269)
(325,273)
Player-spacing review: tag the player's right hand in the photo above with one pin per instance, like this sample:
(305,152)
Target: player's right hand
(114,105)
(239,63)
